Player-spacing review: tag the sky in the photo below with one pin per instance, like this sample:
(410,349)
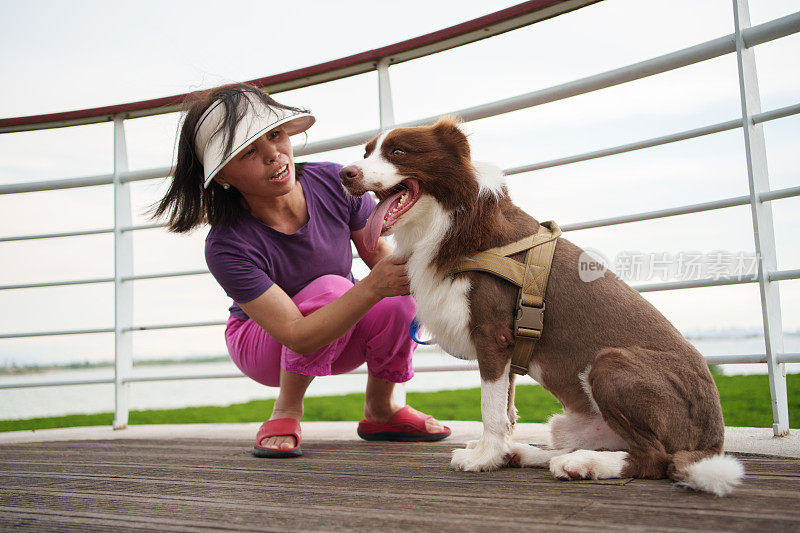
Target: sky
(66,55)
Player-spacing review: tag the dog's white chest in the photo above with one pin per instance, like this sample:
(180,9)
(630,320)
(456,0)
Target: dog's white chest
(443,308)
(442,302)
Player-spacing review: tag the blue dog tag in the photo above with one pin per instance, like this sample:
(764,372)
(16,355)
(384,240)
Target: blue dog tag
(413,330)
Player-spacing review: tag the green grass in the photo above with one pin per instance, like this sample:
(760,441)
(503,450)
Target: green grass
(745,402)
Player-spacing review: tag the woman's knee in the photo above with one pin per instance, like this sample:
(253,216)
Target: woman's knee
(321,291)
(327,283)
(264,368)
(253,351)
(397,312)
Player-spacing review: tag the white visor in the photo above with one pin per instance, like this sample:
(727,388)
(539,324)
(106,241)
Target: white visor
(258,119)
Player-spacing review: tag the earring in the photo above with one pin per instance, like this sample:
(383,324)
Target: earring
(226,186)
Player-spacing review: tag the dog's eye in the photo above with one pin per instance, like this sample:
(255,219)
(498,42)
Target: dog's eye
(398,152)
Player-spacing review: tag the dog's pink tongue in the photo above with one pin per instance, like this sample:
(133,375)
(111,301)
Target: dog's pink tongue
(376,223)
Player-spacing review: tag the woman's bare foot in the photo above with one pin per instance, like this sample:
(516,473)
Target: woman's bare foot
(282,442)
(289,404)
(381,414)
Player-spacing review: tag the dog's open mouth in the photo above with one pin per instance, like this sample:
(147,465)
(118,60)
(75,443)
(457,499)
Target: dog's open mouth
(394,203)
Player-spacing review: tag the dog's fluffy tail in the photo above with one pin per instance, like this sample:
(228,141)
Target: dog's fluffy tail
(707,471)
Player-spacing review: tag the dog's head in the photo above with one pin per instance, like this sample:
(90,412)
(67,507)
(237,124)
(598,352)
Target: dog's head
(404,165)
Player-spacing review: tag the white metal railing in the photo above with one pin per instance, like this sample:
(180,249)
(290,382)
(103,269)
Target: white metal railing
(740,42)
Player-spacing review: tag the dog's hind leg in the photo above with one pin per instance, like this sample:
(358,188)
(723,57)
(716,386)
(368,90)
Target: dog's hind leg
(512,409)
(642,457)
(492,450)
(569,432)
(583,431)
(666,406)
(657,402)
(628,398)
(523,455)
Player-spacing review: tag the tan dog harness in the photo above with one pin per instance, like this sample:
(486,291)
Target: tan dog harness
(530,276)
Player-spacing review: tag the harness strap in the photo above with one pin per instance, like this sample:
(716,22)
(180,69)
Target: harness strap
(531,276)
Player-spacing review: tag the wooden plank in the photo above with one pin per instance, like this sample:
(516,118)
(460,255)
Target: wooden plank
(198,485)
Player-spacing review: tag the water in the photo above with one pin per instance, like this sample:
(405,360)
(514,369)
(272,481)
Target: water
(74,399)
(77,399)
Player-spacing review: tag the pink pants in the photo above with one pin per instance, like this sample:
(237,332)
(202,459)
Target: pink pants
(380,339)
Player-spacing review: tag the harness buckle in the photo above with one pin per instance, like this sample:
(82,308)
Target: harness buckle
(529,322)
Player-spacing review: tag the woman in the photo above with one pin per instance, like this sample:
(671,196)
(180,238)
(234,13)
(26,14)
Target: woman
(279,246)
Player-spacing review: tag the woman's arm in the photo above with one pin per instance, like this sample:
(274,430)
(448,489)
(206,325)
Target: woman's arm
(277,314)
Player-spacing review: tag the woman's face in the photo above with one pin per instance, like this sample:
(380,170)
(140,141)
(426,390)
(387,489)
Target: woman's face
(264,168)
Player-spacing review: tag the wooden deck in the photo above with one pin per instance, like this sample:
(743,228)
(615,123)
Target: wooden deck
(184,485)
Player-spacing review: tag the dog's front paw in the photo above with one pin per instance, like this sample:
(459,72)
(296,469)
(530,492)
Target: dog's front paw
(588,464)
(480,458)
(472,444)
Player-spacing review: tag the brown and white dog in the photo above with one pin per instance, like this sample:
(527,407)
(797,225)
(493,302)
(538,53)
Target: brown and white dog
(638,398)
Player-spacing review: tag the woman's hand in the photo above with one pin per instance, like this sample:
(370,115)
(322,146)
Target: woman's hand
(389,277)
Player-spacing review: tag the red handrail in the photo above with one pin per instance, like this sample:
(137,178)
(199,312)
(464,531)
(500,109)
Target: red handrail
(480,28)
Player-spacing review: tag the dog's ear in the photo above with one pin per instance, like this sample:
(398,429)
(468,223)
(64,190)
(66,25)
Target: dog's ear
(448,129)
(448,125)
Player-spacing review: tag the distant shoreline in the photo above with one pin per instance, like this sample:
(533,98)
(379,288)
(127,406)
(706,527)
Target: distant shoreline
(13,370)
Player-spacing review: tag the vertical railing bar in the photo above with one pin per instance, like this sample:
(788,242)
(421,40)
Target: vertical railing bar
(763,231)
(123,268)
(385,103)
(386,112)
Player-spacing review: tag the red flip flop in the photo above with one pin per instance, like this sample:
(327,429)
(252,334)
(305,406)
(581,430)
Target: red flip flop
(406,425)
(276,428)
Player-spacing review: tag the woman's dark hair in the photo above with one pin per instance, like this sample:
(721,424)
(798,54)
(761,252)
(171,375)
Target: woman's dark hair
(187,203)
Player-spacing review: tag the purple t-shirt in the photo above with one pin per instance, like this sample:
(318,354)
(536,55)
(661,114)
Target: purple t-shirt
(248,257)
